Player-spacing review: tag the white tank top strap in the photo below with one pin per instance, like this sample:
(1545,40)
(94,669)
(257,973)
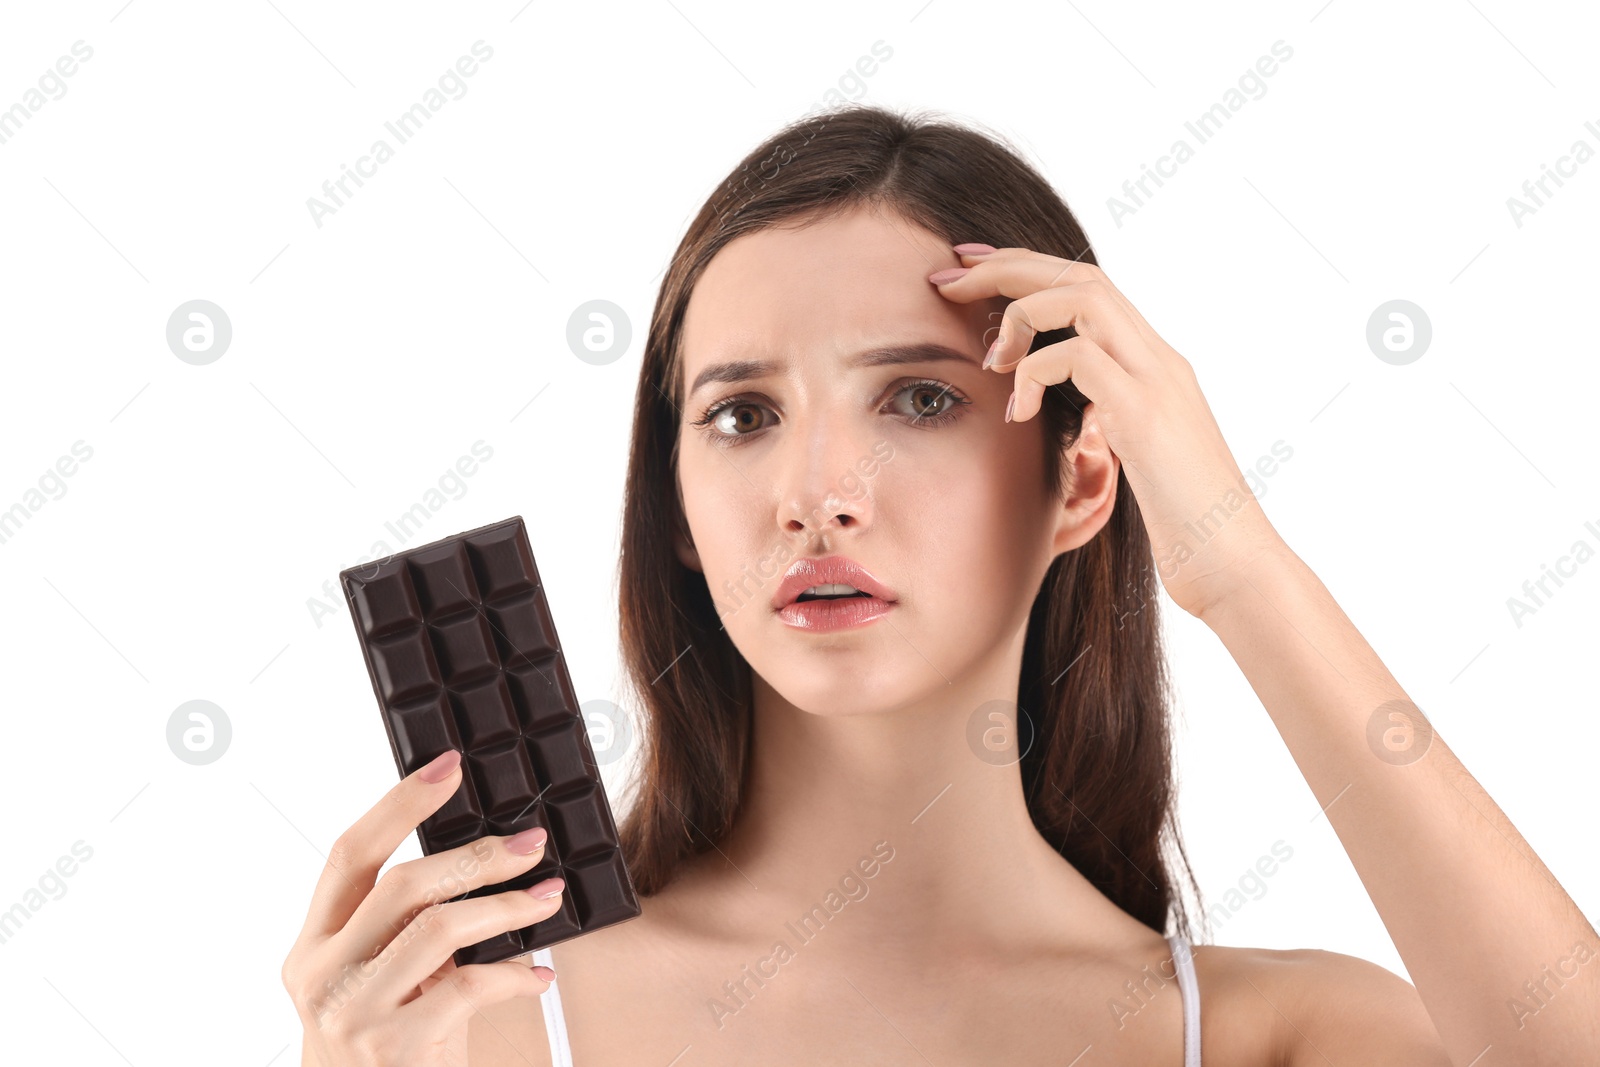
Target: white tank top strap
(1189,988)
(555,1023)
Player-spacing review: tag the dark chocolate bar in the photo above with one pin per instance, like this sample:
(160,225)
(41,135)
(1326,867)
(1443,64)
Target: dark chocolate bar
(463,654)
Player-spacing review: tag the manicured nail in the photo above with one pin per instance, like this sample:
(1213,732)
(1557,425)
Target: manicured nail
(988,358)
(440,768)
(545,973)
(945,277)
(527,841)
(1011,405)
(548,888)
(973,248)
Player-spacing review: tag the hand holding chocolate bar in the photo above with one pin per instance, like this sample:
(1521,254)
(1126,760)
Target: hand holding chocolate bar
(499,782)
(372,968)
(463,655)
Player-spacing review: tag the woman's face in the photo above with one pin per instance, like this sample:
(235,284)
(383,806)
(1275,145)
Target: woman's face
(820,455)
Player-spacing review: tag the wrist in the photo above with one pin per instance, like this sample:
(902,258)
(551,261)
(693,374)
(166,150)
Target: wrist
(1268,576)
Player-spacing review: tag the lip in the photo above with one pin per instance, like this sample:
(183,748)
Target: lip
(829,570)
(828,615)
(825,616)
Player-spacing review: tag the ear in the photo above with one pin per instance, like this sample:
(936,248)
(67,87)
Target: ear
(1092,470)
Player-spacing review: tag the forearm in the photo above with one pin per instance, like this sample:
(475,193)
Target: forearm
(1471,909)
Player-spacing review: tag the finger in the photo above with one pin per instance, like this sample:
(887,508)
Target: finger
(434,935)
(1064,271)
(437,976)
(1089,308)
(407,888)
(1070,272)
(1024,274)
(1047,271)
(357,854)
(452,1003)
(1099,377)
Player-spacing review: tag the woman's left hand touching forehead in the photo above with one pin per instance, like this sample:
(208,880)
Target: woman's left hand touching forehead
(1205,524)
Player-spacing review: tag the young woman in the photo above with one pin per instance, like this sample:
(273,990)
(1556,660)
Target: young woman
(906,470)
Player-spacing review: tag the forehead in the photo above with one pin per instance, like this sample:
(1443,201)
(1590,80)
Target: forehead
(840,284)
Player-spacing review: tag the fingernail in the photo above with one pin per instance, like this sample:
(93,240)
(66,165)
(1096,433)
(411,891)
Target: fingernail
(1011,405)
(994,350)
(440,768)
(545,973)
(527,841)
(945,277)
(973,248)
(547,888)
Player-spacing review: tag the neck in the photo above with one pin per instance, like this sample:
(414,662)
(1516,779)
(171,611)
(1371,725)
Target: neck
(903,827)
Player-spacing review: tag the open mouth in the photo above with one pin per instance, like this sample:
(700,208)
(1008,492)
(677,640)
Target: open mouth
(810,612)
(830,592)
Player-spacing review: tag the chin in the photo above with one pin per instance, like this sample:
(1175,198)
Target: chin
(877,689)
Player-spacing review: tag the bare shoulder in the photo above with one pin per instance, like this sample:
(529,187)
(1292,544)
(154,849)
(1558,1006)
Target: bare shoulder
(1293,1007)
(619,963)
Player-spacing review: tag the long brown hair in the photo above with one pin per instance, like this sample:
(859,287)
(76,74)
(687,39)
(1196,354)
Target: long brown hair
(1097,774)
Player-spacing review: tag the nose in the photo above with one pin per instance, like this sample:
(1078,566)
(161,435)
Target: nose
(820,482)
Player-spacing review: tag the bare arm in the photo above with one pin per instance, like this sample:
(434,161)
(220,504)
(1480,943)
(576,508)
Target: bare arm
(1479,921)
(1471,909)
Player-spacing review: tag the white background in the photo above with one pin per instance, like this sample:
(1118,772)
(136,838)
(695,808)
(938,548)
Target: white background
(428,311)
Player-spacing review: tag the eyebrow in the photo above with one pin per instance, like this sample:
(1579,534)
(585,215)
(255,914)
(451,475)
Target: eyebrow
(741,370)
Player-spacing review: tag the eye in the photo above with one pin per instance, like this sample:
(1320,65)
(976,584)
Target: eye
(734,418)
(930,401)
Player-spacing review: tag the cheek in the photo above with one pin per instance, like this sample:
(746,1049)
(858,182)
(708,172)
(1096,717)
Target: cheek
(740,554)
(976,497)
(979,516)
(969,508)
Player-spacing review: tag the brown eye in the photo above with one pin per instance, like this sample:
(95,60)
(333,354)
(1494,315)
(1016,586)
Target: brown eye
(738,420)
(928,400)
